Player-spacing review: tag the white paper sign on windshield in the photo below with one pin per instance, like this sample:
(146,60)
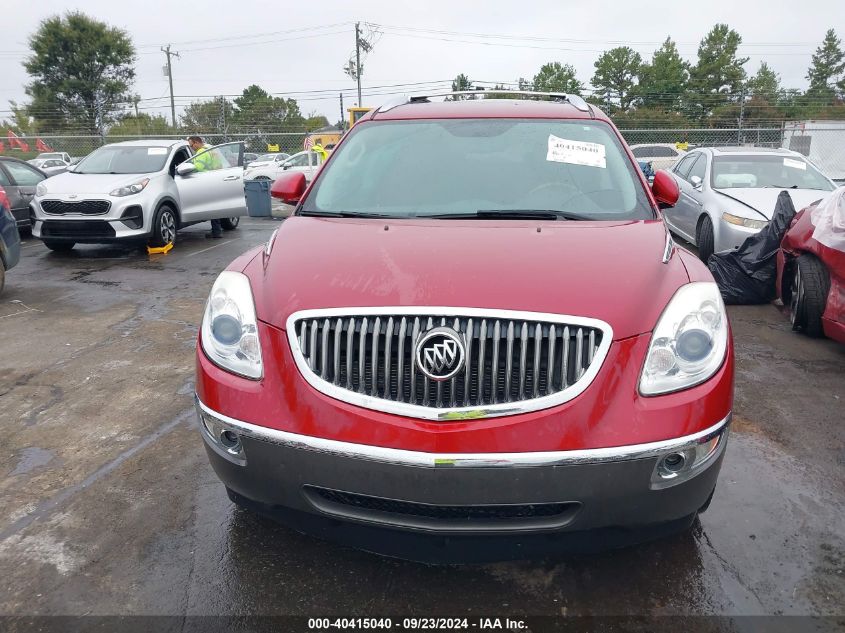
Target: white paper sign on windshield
(562,150)
(156,151)
(795,164)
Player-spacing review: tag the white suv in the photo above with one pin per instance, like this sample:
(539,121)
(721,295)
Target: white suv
(139,191)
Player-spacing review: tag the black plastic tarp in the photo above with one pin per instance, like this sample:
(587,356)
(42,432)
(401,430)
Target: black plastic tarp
(747,274)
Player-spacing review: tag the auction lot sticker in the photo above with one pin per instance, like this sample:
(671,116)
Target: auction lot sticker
(562,150)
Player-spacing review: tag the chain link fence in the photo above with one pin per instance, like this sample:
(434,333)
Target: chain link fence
(823,142)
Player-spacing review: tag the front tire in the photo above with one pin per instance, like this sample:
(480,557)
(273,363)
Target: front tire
(704,239)
(164,227)
(59,247)
(230,224)
(808,295)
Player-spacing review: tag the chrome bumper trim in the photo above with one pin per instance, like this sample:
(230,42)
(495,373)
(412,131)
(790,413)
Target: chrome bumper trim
(463,460)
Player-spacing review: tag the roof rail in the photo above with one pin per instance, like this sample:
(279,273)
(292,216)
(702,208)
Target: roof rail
(572,99)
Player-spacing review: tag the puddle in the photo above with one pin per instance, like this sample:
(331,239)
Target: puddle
(32,458)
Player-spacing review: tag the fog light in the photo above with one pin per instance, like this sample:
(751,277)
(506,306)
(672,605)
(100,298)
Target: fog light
(231,441)
(671,465)
(687,461)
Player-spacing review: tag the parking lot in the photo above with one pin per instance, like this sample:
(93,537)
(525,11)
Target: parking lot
(112,508)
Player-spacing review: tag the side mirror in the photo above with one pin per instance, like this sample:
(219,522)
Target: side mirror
(70,168)
(289,187)
(665,189)
(696,182)
(183,169)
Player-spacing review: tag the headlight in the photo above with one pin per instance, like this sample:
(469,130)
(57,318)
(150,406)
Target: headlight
(128,190)
(40,189)
(689,343)
(749,224)
(229,327)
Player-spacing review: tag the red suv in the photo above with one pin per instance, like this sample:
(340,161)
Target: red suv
(475,323)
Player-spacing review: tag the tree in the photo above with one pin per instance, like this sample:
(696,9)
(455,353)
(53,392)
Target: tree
(140,125)
(21,122)
(827,64)
(460,84)
(663,82)
(81,69)
(765,84)
(616,75)
(717,78)
(315,121)
(556,77)
(257,109)
(208,116)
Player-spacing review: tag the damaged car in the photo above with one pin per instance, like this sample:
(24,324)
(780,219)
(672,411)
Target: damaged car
(728,193)
(811,269)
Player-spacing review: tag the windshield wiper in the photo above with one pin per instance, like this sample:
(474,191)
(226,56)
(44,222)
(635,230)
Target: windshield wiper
(342,214)
(780,186)
(510,214)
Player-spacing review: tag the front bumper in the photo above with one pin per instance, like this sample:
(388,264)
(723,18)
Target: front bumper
(128,218)
(731,236)
(459,494)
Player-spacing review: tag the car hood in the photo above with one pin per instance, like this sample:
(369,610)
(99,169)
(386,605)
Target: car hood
(96,184)
(764,200)
(604,270)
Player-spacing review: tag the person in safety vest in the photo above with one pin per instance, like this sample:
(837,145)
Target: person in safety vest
(205,160)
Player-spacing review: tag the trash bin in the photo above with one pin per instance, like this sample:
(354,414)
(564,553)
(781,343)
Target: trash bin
(258,201)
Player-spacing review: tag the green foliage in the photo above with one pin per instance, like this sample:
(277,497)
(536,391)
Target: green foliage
(461,82)
(81,70)
(21,123)
(142,125)
(616,75)
(315,122)
(765,84)
(555,77)
(201,117)
(651,117)
(718,72)
(663,81)
(256,109)
(828,63)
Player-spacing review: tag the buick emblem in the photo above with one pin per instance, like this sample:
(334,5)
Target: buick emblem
(440,353)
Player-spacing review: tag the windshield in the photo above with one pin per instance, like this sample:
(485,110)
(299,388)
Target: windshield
(465,166)
(124,159)
(47,156)
(782,172)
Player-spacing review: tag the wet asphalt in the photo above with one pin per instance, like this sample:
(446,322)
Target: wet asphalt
(109,506)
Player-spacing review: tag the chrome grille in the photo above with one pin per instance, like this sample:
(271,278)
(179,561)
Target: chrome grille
(512,359)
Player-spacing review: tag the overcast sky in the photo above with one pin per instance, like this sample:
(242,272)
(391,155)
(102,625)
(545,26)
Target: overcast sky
(299,47)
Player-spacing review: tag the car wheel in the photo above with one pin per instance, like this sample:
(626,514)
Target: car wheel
(230,224)
(704,238)
(164,227)
(808,295)
(59,247)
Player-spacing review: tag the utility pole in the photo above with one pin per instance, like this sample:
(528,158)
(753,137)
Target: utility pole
(342,116)
(741,116)
(168,53)
(358,59)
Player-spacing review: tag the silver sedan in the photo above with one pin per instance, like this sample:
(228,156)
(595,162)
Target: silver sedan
(729,193)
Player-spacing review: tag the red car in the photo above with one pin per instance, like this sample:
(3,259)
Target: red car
(811,279)
(475,323)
